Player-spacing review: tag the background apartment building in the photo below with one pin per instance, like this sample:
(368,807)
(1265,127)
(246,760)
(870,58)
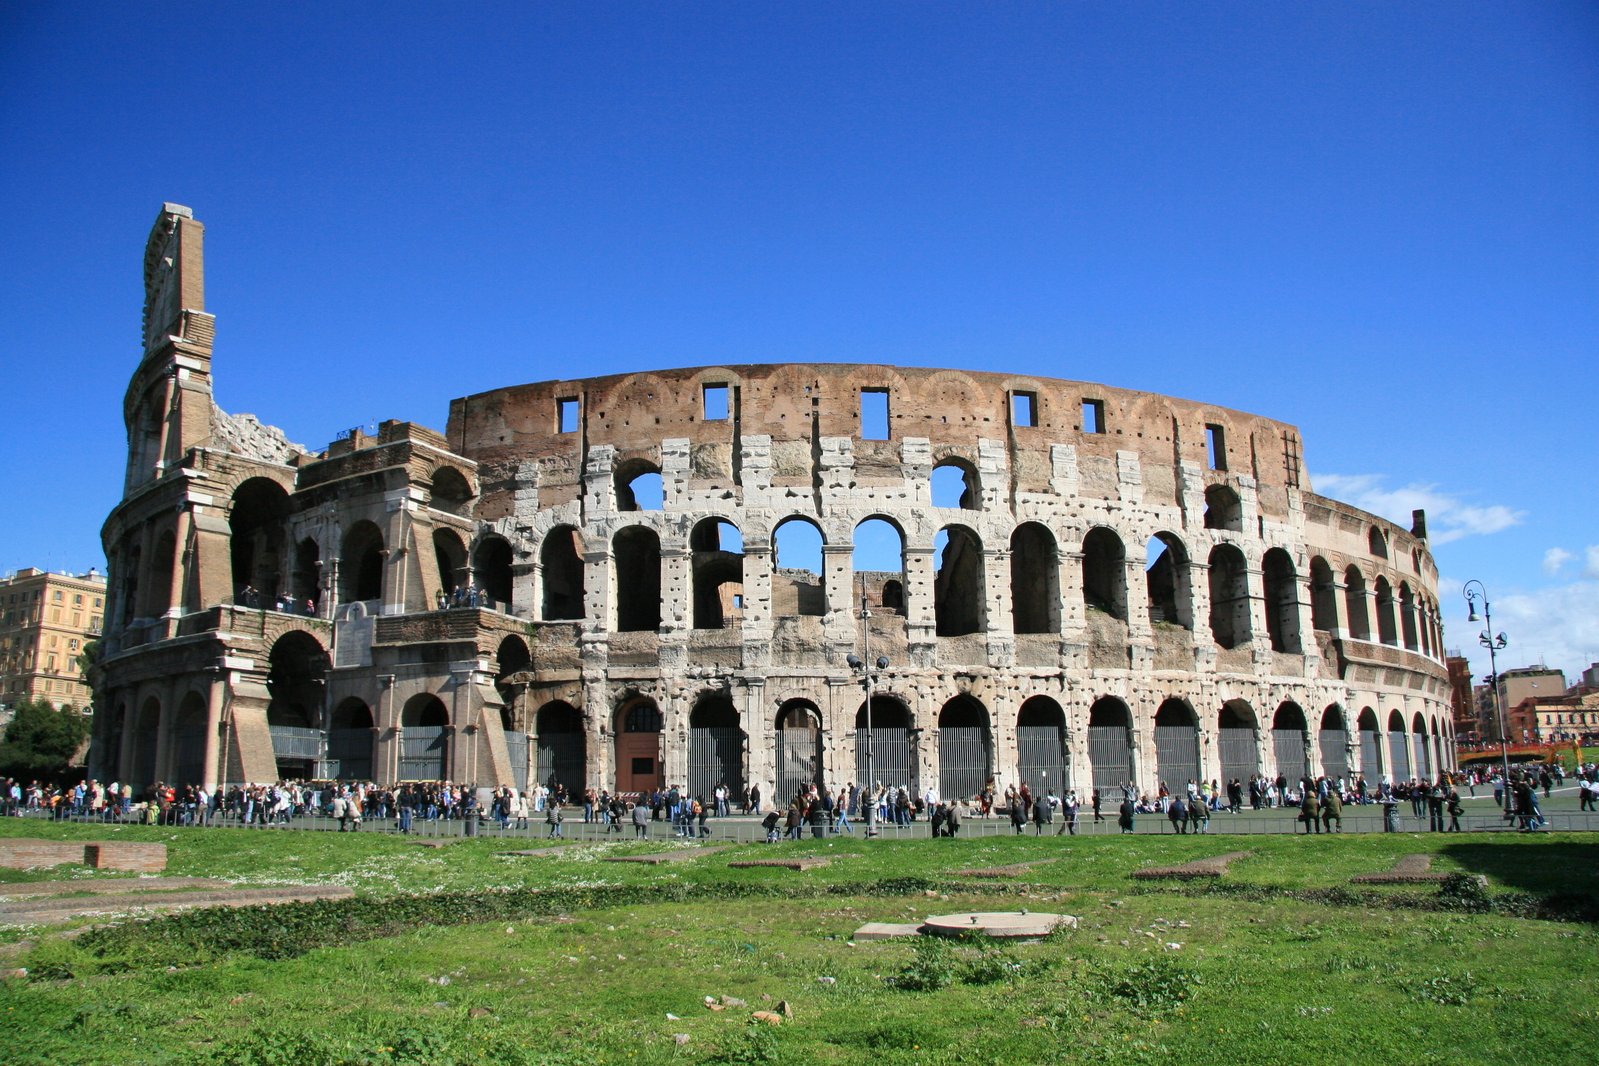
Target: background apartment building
(45,620)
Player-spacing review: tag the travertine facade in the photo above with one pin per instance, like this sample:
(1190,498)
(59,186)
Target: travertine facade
(1090,585)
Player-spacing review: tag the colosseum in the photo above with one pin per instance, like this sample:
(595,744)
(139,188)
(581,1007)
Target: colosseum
(748,575)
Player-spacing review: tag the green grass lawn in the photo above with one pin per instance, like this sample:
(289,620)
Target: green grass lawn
(1154,972)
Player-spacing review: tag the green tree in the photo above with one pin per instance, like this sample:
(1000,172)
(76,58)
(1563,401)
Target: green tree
(41,741)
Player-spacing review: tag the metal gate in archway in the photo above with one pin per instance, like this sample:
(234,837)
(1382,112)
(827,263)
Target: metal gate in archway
(1177,755)
(1041,758)
(715,757)
(1423,757)
(1110,755)
(516,751)
(188,753)
(1288,748)
(1370,757)
(1398,755)
(558,760)
(891,758)
(799,756)
(1240,756)
(349,754)
(424,751)
(1334,744)
(965,754)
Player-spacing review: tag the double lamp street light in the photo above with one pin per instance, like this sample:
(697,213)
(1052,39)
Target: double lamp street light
(1494,644)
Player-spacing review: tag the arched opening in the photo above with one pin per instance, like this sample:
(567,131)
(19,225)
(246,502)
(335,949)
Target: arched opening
(1105,573)
(449,491)
(1398,750)
(1407,616)
(491,564)
(1110,746)
(715,748)
(1440,764)
(1377,543)
(424,739)
(1229,597)
(637,554)
(1288,742)
(1166,581)
(297,682)
(561,753)
(361,563)
(639,486)
(146,738)
(638,746)
(1223,510)
(1237,733)
(1424,625)
(1177,745)
(1371,764)
(955,484)
(957,582)
(1323,596)
(1034,580)
(188,741)
(1387,627)
(878,557)
(893,596)
(798,584)
(717,561)
(889,741)
(965,749)
(1041,757)
(351,737)
(799,750)
(307,585)
(511,681)
(450,555)
(130,584)
(1333,743)
(162,570)
(561,563)
(1423,750)
(1282,600)
(1355,604)
(256,520)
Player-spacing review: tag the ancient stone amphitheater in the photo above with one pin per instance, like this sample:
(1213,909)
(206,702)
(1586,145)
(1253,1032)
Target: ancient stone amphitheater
(660,578)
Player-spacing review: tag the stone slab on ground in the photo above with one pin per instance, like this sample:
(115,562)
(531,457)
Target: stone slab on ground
(434,843)
(804,863)
(44,911)
(1409,870)
(655,858)
(1002,925)
(111,885)
(1015,869)
(537,853)
(1214,866)
(887,930)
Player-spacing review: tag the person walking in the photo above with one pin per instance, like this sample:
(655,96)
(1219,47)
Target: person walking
(552,818)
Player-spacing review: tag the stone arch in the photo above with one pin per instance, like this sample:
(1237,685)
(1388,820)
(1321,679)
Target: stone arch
(639,486)
(1223,509)
(515,663)
(561,750)
(1110,747)
(799,749)
(1355,603)
(955,484)
(1421,748)
(1387,627)
(715,747)
(1323,596)
(297,682)
(1407,617)
(1398,749)
(491,565)
(965,748)
(450,554)
(449,491)
(163,570)
(361,563)
(189,734)
(716,548)
(638,726)
(1177,745)
(1034,579)
(1238,741)
(561,564)
(1041,755)
(307,577)
(1288,745)
(424,739)
(892,763)
(957,581)
(351,739)
(1229,597)
(1282,600)
(636,551)
(1377,543)
(1332,742)
(257,515)
(1166,580)
(1105,573)
(879,552)
(799,582)
(1371,753)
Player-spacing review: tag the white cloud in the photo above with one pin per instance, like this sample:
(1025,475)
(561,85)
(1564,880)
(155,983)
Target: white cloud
(1590,568)
(1554,560)
(1558,627)
(1449,518)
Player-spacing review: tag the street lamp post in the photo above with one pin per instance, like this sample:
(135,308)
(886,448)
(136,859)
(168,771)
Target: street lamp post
(863,665)
(1494,644)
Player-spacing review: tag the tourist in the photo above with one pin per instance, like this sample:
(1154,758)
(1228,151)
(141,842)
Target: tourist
(1453,806)
(1125,815)
(1177,813)
(1310,812)
(1332,811)
(1198,816)
(1043,814)
(641,818)
(552,818)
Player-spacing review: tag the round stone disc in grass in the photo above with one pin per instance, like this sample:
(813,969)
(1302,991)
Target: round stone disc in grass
(1003,925)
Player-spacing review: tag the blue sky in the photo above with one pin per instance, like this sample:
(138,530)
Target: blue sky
(1379,222)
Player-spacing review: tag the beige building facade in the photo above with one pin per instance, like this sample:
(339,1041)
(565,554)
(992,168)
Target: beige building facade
(659,578)
(46,619)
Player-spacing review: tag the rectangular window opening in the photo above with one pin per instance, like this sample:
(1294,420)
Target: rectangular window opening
(1216,446)
(566,414)
(874,414)
(1093,416)
(1024,409)
(715,407)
